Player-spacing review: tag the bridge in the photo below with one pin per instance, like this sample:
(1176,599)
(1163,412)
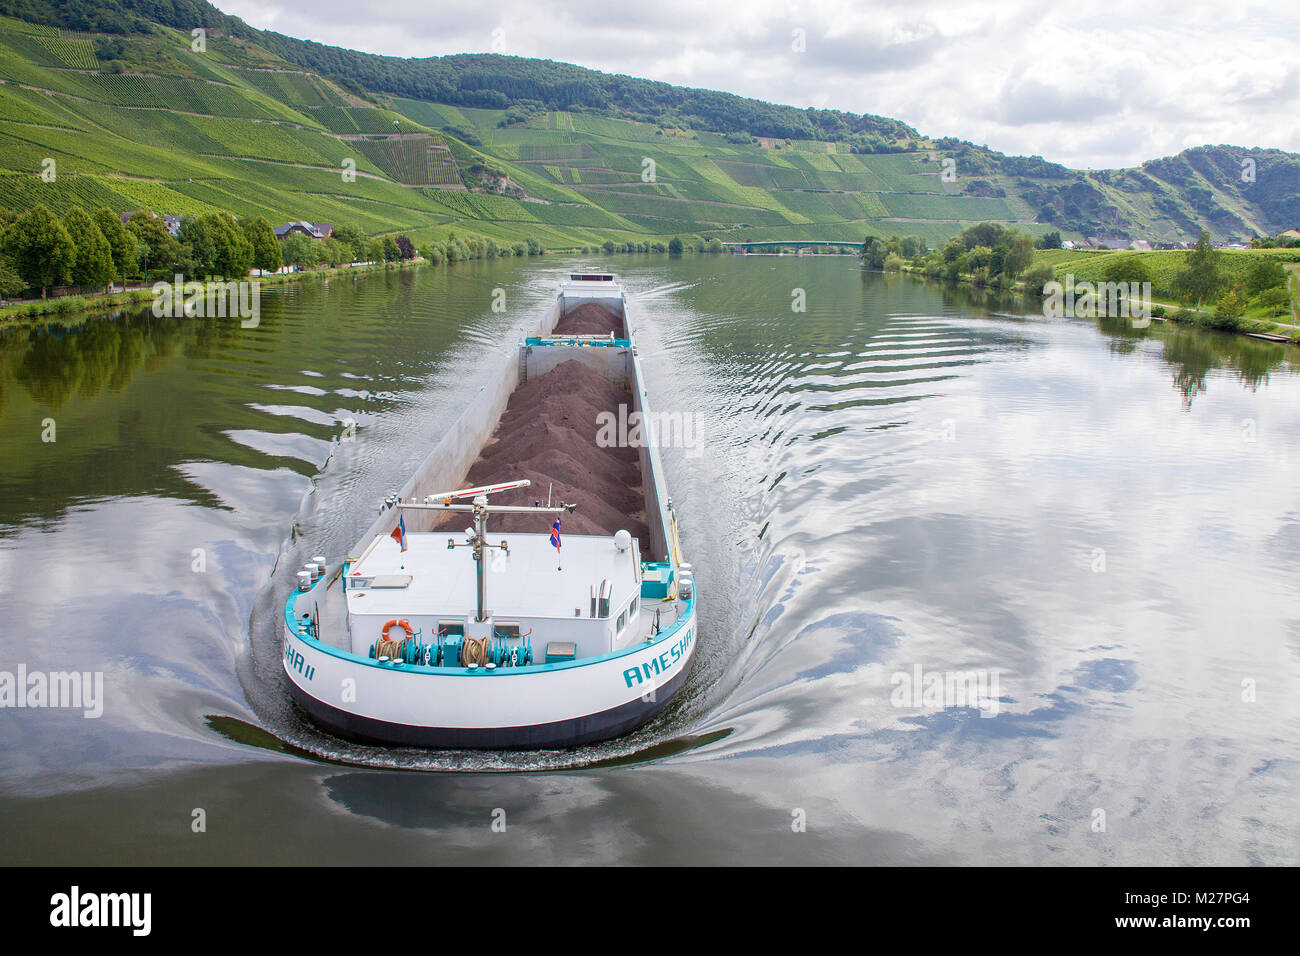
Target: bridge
(743,247)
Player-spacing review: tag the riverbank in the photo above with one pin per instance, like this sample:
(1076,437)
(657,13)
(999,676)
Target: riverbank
(1245,325)
(67,306)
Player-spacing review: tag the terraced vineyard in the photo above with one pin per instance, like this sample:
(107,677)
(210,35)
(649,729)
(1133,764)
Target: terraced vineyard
(301,89)
(245,133)
(351,119)
(414,160)
(239,128)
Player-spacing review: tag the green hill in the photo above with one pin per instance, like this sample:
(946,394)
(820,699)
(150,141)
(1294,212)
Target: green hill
(262,124)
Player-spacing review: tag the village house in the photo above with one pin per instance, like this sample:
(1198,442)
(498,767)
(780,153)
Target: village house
(312,230)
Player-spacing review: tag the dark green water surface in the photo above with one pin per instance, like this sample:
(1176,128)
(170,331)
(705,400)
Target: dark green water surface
(905,476)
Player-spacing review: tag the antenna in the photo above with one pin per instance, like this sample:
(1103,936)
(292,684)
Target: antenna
(448,497)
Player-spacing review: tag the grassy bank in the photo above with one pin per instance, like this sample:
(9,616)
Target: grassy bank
(70,305)
(1162,267)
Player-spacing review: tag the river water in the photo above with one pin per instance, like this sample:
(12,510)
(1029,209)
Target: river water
(900,483)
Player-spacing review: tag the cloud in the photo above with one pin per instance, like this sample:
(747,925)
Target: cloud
(1088,84)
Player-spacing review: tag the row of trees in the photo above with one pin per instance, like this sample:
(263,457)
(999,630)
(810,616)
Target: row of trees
(457,249)
(1280,241)
(39,250)
(990,254)
(347,245)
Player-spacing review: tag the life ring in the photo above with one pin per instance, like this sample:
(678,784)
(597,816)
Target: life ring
(404,625)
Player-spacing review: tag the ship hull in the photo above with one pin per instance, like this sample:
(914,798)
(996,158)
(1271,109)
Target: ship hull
(547,707)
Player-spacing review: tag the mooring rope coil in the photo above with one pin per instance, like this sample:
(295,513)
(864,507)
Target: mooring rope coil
(474,650)
(390,649)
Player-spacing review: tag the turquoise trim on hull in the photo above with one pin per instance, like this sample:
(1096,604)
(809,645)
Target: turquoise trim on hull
(536,342)
(297,630)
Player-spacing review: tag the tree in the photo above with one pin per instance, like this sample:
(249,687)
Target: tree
(912,246)
(979,258)
(299,251)
(121,241)
(333,253)
(40,248)
(355,238)
(1127,268)
(1264,274)
(157,247)
(1019,256)
(1228,312)
(375,251)
(1201,275)
(674,246)
(1037,276)
(266,248)
(406,249)
(984,234)
(1050,240)
(873,253)
(12,284)
(93,265)
(233,253)
(391,252)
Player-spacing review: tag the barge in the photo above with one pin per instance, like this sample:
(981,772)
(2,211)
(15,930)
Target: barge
(525,589)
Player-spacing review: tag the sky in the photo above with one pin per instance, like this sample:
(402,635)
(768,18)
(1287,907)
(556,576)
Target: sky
(1090,84)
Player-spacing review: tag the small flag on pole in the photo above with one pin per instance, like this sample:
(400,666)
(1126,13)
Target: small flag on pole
(399,533)
(555,535)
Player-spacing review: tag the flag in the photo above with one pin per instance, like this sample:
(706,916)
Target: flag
(399,533)
(555,535)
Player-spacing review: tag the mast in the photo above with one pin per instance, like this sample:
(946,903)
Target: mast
(476,537)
